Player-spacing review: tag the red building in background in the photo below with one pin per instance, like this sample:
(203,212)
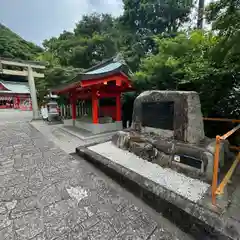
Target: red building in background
(15,95)
(103,85)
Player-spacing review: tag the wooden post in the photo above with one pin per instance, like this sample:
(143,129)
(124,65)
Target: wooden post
(74,109)
(118,108)
(94,107)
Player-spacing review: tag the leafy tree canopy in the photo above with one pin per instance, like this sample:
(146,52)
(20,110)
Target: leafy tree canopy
(155,16)
(13,46)
(90,43)
(185,62)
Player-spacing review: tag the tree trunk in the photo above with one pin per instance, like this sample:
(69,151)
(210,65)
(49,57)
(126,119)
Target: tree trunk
(200,14)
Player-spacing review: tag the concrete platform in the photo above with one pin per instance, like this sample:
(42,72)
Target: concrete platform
(177,197)
(189,188)
(69,138)
(86,124)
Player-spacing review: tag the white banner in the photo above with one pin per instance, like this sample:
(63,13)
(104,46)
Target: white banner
(5,98)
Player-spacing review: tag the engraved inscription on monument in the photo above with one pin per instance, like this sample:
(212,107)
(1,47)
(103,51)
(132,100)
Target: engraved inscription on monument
(158,115)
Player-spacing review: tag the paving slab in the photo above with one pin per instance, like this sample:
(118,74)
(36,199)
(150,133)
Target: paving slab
(47,194)
(14,115)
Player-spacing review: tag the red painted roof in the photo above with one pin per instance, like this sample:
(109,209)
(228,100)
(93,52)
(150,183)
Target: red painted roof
(111,70)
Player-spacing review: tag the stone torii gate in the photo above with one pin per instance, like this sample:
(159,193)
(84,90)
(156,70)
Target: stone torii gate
(25,69)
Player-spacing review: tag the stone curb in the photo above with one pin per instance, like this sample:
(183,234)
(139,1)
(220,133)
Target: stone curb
(187,215)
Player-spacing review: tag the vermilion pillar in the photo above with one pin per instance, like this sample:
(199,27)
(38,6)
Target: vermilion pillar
(118,108)
(94,107)
(74,107)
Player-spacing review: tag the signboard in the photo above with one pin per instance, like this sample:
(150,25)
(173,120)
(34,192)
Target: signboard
(158,115)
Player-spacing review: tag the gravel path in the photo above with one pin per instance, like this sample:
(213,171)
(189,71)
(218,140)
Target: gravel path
(47,194)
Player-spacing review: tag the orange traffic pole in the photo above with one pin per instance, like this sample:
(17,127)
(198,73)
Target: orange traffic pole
(215,169)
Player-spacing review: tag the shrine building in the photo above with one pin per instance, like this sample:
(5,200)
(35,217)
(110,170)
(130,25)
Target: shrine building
(17,84)
(107,80)
(15,95)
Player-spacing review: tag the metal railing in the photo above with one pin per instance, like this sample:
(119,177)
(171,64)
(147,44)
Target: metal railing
(218,189)
(222,120)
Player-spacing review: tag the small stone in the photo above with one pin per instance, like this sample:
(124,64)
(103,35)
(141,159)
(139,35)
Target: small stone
(11,205)
(77,193)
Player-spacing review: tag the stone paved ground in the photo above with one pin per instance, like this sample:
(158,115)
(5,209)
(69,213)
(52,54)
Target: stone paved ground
(13,115)
(47,194)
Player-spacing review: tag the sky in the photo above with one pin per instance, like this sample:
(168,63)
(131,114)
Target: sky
(36,20)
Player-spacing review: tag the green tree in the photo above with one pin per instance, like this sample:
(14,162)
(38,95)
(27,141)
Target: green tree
(13,46)
(185,63)
(49,58)
(155,16)
(54,77)
(144,19)
(225,19)
(94,24)
(91,42)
